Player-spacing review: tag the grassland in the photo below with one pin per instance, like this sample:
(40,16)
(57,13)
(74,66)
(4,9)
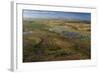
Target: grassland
(56,40)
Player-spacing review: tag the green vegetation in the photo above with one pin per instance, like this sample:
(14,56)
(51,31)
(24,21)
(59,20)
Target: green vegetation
(55,39)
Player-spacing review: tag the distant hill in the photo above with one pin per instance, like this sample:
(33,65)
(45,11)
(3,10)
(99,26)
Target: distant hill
(57,20)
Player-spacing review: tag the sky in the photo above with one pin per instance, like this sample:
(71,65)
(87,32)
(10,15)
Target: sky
(56,15)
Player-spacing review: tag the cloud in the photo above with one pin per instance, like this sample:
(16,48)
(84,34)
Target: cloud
(56,14)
